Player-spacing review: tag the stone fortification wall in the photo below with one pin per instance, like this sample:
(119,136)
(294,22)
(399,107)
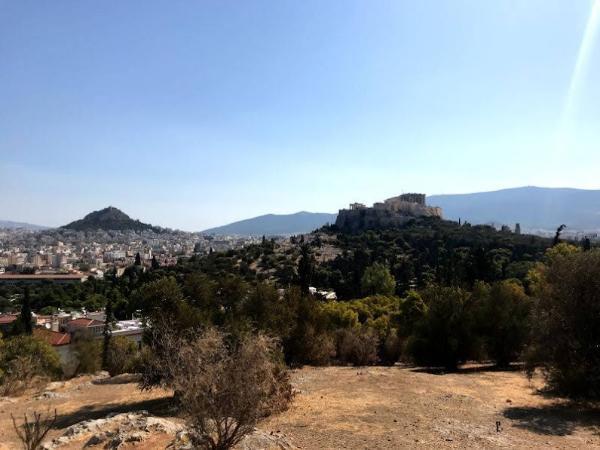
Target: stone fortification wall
(393,212)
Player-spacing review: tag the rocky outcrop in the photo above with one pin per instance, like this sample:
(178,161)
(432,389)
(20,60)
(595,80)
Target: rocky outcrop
(115,430)
(393,212)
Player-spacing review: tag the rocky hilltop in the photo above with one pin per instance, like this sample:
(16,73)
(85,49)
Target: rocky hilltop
(392,212)
(109,219)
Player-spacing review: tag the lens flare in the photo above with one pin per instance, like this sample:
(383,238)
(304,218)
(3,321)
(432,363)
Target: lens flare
(583,59)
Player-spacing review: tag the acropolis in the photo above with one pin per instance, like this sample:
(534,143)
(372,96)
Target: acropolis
(392,212)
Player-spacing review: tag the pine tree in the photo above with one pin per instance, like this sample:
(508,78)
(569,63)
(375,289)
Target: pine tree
(26,318)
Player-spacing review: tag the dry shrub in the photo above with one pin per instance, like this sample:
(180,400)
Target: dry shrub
(223,389)
(122,356)
(319,347)
(32,432)
(391,349)
(357,346)
(21,374)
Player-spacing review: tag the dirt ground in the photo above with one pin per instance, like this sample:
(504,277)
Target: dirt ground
(366,408)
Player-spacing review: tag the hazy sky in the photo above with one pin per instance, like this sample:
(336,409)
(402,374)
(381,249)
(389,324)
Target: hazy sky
(191,114)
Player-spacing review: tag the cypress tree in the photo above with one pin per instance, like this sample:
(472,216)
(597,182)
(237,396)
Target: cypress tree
(305,268)
(26,315)
(107,332)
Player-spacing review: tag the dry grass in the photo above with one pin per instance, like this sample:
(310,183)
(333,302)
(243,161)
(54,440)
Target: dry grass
(375,407)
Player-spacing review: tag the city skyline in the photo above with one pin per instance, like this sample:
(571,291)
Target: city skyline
(182,123)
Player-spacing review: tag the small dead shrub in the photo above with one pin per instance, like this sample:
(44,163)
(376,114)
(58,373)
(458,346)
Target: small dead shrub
(391,349)
(357,346)
(32,431)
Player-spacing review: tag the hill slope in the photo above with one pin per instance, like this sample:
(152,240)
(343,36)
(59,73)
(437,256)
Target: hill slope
(276,224)
(109,218)
(14,225)
(532,207)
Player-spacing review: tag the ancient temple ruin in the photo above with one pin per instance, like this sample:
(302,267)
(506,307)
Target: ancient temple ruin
(392,212)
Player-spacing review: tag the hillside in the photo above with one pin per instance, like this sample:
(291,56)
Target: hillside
(9,224)
(533,207)
(275,224)
(109,218)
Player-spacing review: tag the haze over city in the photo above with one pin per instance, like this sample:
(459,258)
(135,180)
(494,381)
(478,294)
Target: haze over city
(191,115)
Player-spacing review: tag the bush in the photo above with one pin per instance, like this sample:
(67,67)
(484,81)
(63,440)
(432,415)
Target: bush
(357,346)
(88,352)
(566,321)
(312,347)
(391,348)
(444,336)
(25,360)
(224,389)
(123,356)
(503,313)
(310,341)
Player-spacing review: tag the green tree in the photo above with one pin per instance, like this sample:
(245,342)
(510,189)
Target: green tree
(88,351)
(413,309)
(444,336)
(24,358)
(377,280)
(26,316)
(268,311)
(559,231)
(566,321)
(502,319)
(306,266)
(107,331)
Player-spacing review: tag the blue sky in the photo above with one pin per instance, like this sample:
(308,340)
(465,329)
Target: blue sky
(194,114)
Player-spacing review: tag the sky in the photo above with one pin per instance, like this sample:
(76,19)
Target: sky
(192,114)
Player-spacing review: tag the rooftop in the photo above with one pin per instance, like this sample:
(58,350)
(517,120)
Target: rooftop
(52,337)
(82,322)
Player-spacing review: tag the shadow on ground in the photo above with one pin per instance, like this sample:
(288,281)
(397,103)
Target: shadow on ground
(156,407)
(124,378)
(559,419)
(479,368)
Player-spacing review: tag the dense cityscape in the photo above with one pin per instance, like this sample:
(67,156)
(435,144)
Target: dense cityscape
(92,253)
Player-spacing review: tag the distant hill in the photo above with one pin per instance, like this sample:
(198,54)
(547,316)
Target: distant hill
(109,218)
(26,226)
(534,208)
(275,224)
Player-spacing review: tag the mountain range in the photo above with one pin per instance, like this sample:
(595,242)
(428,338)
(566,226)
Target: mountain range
(109,218)
(15,225)
(534,208)
(275,224)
